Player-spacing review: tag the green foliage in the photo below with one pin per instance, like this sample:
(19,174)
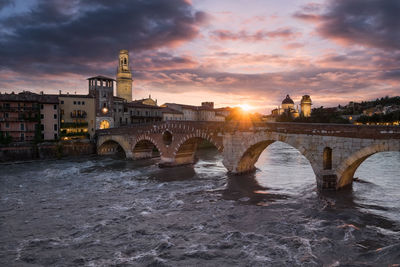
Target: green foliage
(318,115)
(390,117)
(357,108)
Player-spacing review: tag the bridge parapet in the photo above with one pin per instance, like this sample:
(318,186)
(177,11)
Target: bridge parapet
(323,129)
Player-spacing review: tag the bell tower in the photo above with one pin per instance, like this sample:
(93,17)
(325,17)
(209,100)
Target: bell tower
(124,76)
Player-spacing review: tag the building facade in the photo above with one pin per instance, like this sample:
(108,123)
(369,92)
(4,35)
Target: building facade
(102,89)
(170,114)
(205,112)
(124,76)
(28,116)
(49,117)
(77,114)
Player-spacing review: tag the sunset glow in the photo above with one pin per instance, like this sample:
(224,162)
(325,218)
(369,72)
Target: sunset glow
(245,107)
(228,52)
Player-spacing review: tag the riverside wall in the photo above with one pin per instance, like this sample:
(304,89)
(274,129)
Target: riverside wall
(46,150)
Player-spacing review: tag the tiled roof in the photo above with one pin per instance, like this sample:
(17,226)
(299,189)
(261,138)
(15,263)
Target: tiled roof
(27,96)
(171,111)
(101,77)
(136,104)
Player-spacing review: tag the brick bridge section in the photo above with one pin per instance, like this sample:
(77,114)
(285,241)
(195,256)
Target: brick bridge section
(334,150)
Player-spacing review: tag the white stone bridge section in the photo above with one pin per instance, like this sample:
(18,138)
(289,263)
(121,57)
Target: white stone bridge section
(334,151)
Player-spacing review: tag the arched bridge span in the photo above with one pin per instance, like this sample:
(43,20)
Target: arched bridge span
(334,151)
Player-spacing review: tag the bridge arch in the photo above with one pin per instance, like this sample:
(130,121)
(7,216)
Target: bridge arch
(143,147)
(185,149)
(252,148)
(347,168)
(113,145)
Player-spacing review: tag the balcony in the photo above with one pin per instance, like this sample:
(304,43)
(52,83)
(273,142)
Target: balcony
(18,109)
(79,114)
(74,125)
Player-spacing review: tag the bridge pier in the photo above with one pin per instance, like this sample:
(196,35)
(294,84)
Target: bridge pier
(142,154)
(326,181)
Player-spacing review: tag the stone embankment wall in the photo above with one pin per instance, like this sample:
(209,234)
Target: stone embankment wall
(47,150)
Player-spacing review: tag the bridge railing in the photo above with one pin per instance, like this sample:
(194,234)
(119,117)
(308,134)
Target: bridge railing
(325,129)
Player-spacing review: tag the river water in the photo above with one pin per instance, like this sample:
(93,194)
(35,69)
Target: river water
(95,211)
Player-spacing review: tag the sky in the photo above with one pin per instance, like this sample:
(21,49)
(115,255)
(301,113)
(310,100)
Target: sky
(250,52)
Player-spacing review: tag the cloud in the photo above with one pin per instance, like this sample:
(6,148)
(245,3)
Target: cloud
(260,35)
(64,36)
(4,3)
(370,23)
(156,61)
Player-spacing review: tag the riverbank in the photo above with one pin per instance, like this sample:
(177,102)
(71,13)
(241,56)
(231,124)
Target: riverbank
(22,152)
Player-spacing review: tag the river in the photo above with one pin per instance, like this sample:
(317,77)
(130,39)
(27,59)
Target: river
(104,211)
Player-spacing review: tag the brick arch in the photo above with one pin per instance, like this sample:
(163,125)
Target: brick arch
(117,140)
(146,137)
(198,135)
(253,146)
(347,168)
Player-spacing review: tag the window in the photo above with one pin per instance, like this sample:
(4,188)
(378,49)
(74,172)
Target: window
(55,136)
(327,158)
(42,116)
(104,124)
(41,106)
(55,127)
(5,115)
(22,127)
(22,136)
(7,125)
(62,112)
(42,127)
(62,102)
(120,120)
(79,102)
(83,102)
(55,107)
(74,102)
(55,116)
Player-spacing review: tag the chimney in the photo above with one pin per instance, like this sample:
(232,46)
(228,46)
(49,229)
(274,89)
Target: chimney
(59,92)
(41,92)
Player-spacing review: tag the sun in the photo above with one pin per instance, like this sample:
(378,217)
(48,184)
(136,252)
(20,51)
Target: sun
(245,107)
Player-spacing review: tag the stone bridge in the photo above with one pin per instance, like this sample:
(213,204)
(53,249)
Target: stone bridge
(334,150)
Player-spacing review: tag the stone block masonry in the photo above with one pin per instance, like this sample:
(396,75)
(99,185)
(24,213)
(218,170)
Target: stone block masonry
(334,151)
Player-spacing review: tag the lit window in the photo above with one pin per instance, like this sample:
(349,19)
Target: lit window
(104,124)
